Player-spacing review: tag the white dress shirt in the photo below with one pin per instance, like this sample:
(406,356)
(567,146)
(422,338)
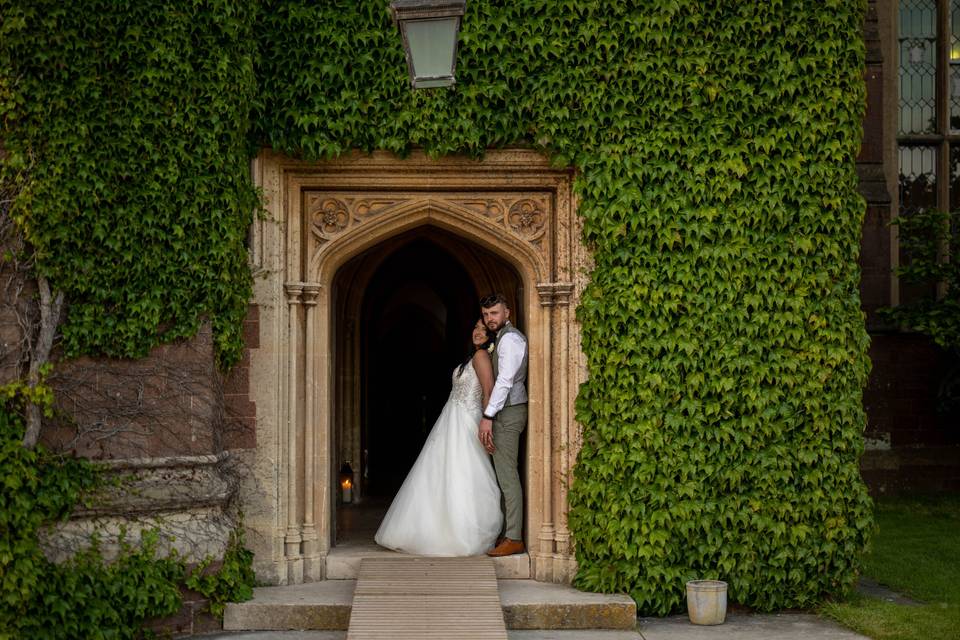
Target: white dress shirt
(508,389)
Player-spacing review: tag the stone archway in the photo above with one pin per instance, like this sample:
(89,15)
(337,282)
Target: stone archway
(320,216)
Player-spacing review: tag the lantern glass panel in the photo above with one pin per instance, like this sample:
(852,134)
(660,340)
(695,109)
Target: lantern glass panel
(433,45)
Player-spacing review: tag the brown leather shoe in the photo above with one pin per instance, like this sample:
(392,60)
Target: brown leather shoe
(507,548)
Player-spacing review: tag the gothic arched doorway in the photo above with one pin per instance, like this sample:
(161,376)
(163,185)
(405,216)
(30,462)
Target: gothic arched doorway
(328,227)
(403,314)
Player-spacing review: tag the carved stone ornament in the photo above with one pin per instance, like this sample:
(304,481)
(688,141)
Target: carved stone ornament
(527,218)
(330,217)
(555,293)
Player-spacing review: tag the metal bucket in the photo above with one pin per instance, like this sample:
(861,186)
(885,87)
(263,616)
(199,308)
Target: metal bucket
(707,601)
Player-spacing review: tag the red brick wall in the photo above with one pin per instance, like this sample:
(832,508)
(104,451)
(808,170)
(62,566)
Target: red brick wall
(240,425)
(875,262)
(904,411)
(169,403)
(173,402)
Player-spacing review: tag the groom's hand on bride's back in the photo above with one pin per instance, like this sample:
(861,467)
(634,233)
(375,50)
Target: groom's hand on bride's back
(485,433)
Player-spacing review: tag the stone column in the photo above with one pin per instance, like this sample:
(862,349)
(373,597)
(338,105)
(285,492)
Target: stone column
(324,478)
(312,569)
(565,424)
(543,557)
(293,537)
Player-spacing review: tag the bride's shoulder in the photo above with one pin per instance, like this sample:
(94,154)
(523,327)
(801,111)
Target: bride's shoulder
(482,363)
(481,355)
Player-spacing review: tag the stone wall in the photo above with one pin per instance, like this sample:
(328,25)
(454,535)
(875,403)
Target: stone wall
(172,403)
(173,428)
(169,403)
(160,423)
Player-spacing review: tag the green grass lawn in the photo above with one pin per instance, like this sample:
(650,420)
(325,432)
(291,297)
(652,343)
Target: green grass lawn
(916,552)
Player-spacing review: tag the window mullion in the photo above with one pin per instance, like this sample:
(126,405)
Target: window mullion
(943,67)
(944,90)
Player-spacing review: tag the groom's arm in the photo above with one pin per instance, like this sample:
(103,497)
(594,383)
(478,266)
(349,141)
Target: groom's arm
(509,360)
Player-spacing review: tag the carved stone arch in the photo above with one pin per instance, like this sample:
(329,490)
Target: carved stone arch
(321,214)
(327,257)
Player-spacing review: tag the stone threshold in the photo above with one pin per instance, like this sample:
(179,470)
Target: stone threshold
(343,562)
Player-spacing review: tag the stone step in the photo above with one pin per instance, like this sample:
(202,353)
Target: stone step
(526,604)
(314,605)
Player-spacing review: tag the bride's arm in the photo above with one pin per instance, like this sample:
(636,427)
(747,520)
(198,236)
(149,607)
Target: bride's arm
(484,369)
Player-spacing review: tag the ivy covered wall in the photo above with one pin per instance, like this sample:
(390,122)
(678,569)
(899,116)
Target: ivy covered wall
(715,145)
(125,125)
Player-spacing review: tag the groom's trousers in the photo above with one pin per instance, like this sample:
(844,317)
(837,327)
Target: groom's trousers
(507,427)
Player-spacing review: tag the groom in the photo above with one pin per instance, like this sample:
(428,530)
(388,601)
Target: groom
(505,417)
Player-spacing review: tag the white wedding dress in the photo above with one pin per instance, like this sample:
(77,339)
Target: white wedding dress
(449,503)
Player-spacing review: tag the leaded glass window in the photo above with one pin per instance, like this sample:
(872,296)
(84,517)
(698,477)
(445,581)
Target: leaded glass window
(928,124)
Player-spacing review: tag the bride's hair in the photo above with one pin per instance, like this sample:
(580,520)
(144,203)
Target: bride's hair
(491,336)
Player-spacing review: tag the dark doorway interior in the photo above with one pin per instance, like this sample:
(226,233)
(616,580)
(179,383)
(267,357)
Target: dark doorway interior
(416,317)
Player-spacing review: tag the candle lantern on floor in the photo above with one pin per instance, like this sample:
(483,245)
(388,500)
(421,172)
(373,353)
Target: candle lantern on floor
(346,483)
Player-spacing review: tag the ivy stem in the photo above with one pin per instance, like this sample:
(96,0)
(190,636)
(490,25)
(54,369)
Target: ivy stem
(50,305)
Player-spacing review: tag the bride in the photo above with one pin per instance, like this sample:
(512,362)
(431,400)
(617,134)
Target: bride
(449,504)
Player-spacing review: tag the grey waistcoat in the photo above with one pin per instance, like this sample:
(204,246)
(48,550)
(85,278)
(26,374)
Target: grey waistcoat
(518,392)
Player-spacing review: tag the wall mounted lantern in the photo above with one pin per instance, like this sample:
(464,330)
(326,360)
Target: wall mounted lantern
(429,29)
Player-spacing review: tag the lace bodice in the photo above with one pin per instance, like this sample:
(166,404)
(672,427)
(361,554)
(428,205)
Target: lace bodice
(466,389)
